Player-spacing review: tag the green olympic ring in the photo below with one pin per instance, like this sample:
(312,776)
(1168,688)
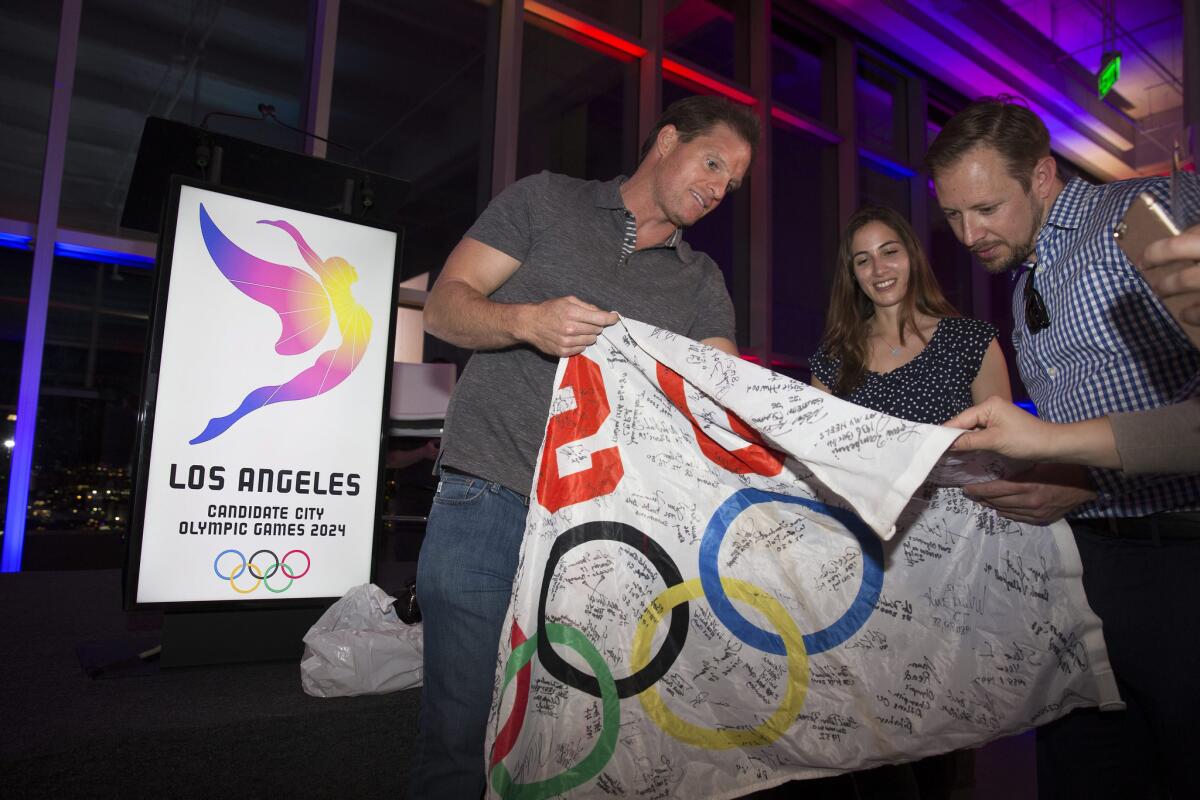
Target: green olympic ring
(610,706)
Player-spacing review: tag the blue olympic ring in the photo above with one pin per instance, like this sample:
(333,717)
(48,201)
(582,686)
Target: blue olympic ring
(820,641)
(240,570)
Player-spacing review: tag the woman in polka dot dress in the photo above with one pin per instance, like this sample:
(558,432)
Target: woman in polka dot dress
(892,341)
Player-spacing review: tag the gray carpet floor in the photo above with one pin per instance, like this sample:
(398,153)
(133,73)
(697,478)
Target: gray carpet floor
(246,730)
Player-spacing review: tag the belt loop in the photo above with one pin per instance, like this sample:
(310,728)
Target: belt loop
(1113,527)
(1154,531)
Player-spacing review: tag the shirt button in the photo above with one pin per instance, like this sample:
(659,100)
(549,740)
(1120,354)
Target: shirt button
(1052,372)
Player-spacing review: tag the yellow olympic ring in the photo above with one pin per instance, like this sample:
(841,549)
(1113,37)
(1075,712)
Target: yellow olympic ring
(723,739)
(257,580)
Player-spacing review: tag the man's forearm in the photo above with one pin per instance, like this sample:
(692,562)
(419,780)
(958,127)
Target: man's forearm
(1089,443)
(459,314)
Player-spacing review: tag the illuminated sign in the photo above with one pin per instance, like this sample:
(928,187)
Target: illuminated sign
(1110,71)
(258,479)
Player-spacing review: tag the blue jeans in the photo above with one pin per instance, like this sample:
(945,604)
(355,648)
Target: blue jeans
(464,583)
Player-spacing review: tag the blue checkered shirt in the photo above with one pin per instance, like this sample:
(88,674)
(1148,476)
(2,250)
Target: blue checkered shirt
(1111,346)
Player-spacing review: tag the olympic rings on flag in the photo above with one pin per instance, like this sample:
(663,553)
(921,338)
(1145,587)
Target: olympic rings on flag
(841,629)
(654,668)
(610,715)
(506,738)
(789,635)
(260,574)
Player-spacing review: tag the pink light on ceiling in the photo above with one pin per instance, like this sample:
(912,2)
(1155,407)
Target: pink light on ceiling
(799,123)
(586,29)
(598,34)
(695,76)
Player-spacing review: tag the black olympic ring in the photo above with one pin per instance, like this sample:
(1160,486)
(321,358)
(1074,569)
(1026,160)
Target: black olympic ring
(274,567)
(676,633)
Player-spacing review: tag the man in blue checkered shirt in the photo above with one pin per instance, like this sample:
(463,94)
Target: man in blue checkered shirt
(1091,339)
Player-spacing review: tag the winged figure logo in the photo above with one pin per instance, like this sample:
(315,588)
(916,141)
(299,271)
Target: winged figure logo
(305,306)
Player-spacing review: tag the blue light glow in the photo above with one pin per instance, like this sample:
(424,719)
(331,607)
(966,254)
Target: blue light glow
(16,241)
(1027,405)
(890,168)
(80,252)
(83,253)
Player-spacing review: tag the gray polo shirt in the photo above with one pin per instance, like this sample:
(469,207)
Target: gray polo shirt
(568,235)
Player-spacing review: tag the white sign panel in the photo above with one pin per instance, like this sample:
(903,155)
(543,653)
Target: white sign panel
(730,580)
(265,445)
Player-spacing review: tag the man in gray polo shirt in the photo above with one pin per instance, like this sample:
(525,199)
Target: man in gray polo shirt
(550,263)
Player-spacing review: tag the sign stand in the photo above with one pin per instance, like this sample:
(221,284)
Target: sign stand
(194,638)
(208,626)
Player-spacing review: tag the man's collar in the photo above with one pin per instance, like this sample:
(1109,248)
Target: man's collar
(1066,214)
(608,193)
(1070,205)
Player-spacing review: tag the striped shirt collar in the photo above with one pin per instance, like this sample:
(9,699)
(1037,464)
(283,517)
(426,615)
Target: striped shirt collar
(608,195)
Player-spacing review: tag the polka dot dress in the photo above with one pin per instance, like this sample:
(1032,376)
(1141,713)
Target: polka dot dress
(933,387)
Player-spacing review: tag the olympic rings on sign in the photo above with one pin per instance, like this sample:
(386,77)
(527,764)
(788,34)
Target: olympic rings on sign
(820,641)
(610,715)
(654,668)
(260,574)
(726,738)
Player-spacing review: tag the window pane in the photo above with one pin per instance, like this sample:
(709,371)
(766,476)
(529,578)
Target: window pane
(140,58)
(703,32)
(931,133)
(951,262)
(409,100)
(937,114)
(16,268)
(28,47)
(802,69)
(879,188)
(881,110)
(87,410)
(717,235)
(578,105)
(624,15)
(804,231)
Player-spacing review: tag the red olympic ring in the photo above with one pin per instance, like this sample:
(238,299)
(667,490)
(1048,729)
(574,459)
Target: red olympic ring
(283,564)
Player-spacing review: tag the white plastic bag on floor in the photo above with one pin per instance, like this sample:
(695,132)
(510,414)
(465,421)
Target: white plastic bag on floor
(360,646)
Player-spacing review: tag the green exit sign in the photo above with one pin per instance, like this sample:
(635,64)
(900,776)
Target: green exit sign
(1110,71)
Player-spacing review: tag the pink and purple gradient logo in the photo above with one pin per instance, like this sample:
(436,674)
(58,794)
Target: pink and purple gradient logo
(304,305)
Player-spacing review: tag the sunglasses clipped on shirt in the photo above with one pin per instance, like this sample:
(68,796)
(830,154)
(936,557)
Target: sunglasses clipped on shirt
(1037,318)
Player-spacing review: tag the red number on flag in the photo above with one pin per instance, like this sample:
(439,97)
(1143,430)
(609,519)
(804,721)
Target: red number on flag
(557,491)
(755,457)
